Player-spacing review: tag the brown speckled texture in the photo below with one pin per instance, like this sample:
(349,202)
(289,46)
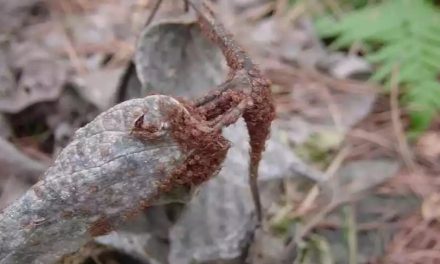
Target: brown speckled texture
(102,177)
(135,155)
(261,112)
(208,148)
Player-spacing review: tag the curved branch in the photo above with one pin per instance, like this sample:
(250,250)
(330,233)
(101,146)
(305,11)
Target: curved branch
(137,154)
(261,112)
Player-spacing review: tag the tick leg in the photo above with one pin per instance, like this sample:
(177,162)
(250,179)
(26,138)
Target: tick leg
(238,81)
(220,105)
(230,117)
(227,96)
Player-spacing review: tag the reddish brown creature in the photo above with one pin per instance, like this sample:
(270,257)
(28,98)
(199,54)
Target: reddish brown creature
(246,93)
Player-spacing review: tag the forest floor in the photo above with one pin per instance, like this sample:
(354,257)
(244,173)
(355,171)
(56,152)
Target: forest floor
(354,189)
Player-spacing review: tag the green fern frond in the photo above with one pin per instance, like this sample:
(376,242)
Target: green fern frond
(423,103)
(403,33)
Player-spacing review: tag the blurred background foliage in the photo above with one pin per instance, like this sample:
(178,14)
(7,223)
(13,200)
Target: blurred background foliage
(400,37)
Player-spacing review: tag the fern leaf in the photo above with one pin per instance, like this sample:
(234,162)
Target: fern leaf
(389,52)
(384,71)
(405,33)
(423,104)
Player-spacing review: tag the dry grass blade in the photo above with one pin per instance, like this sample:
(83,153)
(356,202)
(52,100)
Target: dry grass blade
(397,124)
(336,201)
(153,12)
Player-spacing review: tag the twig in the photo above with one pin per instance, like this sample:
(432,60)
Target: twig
(153,12)
(69,47)
(404,149)
(423,254)
(290,249)
(137,154)
(255,102)
(256,13)
(345,85)
(329,173)
(337,162)
(156,8)
(307,203)
(414,231)
(333,108)
(372,137)
(312,223)
(257,98)
(350,215)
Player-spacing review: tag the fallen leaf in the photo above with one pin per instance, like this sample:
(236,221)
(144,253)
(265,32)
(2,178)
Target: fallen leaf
(173,57)
(18,173)
(14,14)
(99,87)
(13,162)
(5,128)
(40,78)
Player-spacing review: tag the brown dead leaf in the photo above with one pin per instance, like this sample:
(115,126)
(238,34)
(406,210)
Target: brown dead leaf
(15,14)
(38,76)
(175,58)
(18,172)
(100,87)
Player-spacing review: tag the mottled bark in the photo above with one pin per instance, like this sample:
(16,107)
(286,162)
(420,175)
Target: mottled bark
(138,154)
(102,178)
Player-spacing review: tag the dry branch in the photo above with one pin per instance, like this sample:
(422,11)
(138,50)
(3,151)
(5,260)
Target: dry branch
(253,100)
(259,111)
(139,153)
(102,178)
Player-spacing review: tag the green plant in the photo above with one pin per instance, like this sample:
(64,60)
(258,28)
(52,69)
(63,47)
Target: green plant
(403,35)
(328,4)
